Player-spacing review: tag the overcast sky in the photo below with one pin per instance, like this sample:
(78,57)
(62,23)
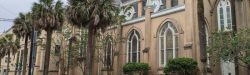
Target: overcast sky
(9,9)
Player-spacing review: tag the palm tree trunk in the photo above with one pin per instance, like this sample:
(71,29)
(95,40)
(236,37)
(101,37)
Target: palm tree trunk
(47,53)
(21,62)
(17,63)
(0,63)
(61,72)
(90,51)
(81,67)
(25,55)
(69,54)
(248,72)
(8,64)
(81,44)
(234,31)
(202,36)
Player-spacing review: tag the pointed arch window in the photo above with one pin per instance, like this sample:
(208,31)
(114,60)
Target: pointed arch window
(168,41)
(108,53)
(224,15)
(133,47)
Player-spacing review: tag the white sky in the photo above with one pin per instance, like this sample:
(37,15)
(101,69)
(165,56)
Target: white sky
(9,9)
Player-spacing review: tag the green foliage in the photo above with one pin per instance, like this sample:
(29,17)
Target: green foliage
(181,65)
(228,46)
(23,25)
(8,44)
(97,13)
(48,15)
(135,67)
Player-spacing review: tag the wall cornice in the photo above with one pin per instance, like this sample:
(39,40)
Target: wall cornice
(155,15)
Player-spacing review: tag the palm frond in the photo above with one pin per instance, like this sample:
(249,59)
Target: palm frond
(8,45)
(48,15)
(100,13)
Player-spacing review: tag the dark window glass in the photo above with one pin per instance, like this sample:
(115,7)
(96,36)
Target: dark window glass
(136,10)
(129,51)
(176,45)
(143,6)
(169,39)
(139,48)
(174,3)
(162,57)
(221,13)
(134,49)
(221,19)
(222,25)
(169,45)
(163,6)
(162,43)
(57,49)
(5,72)
(229,19)
(7,59)
(108,53)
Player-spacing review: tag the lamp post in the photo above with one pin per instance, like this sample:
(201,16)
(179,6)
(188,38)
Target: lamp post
(32,58)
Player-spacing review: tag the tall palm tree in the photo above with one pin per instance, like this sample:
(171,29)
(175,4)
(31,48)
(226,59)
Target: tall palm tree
(2,51)
(22,29)
(7,46)
(93,15)
(48,15)
(202,32)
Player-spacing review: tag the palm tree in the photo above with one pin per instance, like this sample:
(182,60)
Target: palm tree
(93,15)
(7,46)
(48,15)
(202,36)
(22,29)
(2,51)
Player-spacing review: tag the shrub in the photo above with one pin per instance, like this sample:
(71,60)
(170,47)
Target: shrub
(182,66)
(135,67)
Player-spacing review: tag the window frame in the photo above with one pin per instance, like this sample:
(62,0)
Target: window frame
(168,26)
(133,34)
(224,15)
(108,52)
